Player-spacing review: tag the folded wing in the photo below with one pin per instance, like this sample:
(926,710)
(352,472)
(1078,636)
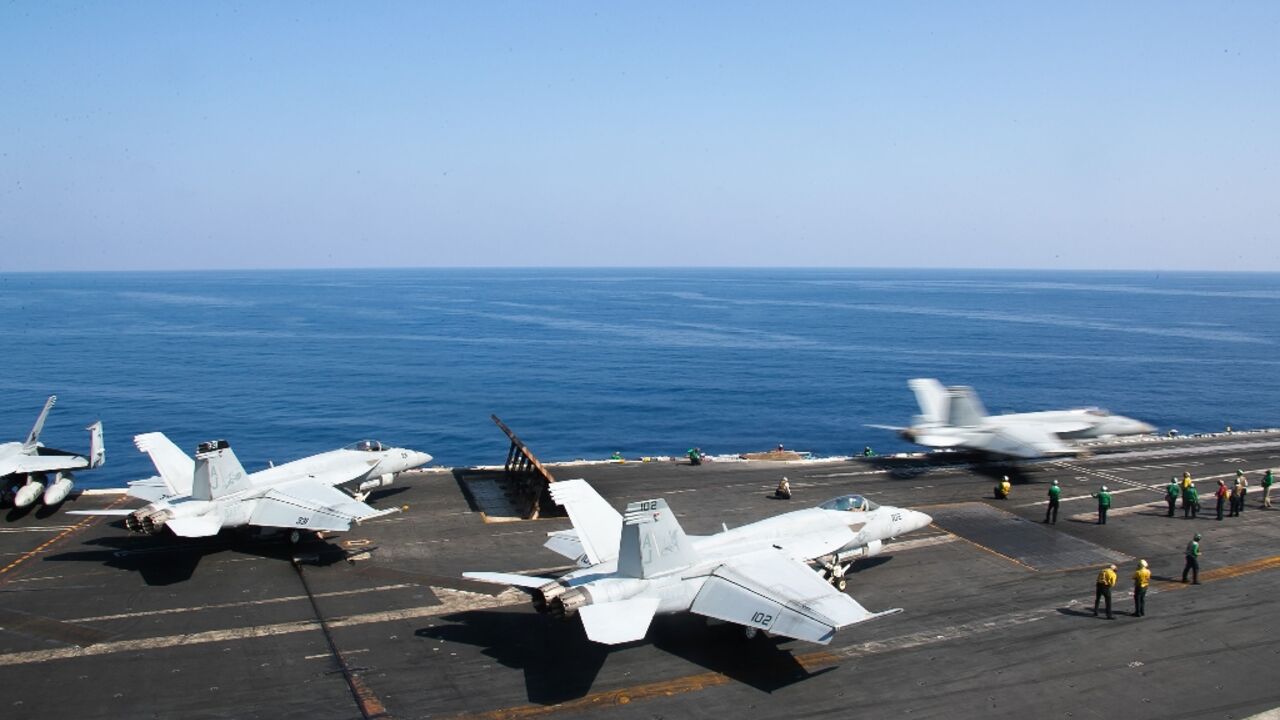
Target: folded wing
(310,505)
(770,591)
(176,468)
(597,527)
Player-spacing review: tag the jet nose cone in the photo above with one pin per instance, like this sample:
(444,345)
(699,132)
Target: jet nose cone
(420,458)
(917,520)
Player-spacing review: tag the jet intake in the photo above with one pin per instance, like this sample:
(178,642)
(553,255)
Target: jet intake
(374,483)
(871,549)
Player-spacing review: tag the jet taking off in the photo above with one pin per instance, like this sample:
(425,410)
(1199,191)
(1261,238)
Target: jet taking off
(24,465)
(201,497)
(761,576)
(953,417)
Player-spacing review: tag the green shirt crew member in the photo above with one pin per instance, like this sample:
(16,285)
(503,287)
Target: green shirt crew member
(1171,494)
(1193,561)
(1055,496)
(1104,504)
(1266,489)
(1193,501)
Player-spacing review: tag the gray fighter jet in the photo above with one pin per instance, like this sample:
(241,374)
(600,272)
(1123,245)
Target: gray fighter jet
(953,417)
(24,466)
(779,575)
(201,497)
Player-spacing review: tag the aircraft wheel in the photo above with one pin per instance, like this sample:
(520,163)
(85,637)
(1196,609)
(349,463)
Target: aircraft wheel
(841,584)
(294,537)
(750,632)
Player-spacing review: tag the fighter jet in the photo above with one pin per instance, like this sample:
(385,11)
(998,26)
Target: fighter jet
(24,466)
(953,417)
(775,575)
(201,497)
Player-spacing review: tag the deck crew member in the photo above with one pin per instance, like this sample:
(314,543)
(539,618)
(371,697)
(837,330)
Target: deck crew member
(1193,561)
(1221,493)
(1141,579)
(1188,488)
(1171,494)
(1055,496)
(695,456)
(1102,591)
(1243,480)
(784,489)
(1003,488)
(1236,491)
(1195,500)
(1104,504)
(1266,489)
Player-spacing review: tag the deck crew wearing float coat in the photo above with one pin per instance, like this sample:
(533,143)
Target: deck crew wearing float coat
(1193,561)
(1141,579)
(1104,504)
(1171,495)
(1106,581)
(1055,495)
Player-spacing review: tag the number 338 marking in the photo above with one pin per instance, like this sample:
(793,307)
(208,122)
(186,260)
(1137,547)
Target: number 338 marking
(302,521)
(762,619)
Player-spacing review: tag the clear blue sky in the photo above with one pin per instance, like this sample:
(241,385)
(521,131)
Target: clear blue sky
(1074,135)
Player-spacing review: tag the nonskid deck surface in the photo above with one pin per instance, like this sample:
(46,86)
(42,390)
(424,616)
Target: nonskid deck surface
(378,622)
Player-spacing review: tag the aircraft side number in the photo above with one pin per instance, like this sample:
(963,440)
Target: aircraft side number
(897,517)
(762,619)
(303,521)
(648,505)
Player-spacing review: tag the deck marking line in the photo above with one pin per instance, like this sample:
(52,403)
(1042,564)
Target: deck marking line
(453,601)
(53,540)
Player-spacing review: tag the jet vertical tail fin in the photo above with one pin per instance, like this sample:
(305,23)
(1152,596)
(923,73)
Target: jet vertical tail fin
(217,472)
(965,409)
(652,541)
(176,468)
(932,399)
(97,450)
(33,438)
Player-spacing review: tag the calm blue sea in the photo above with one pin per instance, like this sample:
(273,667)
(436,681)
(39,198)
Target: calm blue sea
(582,363)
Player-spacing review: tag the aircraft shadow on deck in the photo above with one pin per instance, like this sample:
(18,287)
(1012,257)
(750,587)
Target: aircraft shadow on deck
(560,664)
(165,560)
(910,468)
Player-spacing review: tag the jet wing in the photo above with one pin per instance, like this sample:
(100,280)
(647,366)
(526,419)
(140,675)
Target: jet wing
(803,547)
(310,505)
(176,468)
(23,464)
(598,526)
(770,591)
(150,489)
(568,544)
(1023,441)
(342,470)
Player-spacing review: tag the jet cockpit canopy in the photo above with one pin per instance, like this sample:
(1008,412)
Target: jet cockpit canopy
(849,503)
(365,446)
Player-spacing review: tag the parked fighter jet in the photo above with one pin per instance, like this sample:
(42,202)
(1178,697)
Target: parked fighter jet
(761,576)
(198,498)
(953,417)
(24,465)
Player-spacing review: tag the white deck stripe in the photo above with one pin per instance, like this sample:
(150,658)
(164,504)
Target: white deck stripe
(242,603)
(452,601)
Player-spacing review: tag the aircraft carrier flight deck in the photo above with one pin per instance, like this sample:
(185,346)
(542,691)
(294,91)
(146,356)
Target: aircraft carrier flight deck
(997,621)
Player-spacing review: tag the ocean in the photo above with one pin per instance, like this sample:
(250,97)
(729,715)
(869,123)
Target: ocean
(585,362)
